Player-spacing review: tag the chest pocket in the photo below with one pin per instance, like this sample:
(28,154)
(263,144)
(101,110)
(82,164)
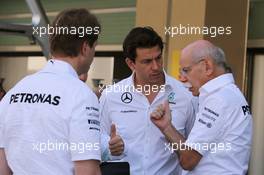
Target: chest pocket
(179,118)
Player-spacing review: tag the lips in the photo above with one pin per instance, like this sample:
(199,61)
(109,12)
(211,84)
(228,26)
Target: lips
(155,75)
(188,86)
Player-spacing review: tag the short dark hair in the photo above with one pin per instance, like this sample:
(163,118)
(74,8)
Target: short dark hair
(140,37)
(70,44)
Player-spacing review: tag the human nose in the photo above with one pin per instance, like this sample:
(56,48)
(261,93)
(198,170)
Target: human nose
(155,65)
(183,75)
(182,78)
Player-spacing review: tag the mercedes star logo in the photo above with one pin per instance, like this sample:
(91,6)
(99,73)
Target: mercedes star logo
(126,97)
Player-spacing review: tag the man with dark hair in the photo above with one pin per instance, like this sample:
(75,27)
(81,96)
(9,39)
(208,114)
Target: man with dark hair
(140,38)
(126,106)
(71,30)
(49,122)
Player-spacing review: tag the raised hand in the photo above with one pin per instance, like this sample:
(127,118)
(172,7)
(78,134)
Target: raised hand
(161,117)
(116,144)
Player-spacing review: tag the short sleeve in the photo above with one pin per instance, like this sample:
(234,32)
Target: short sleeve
(84,134)
(207,126)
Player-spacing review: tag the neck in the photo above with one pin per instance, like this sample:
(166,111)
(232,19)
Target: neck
(150,90)
(139,82)
(217,72)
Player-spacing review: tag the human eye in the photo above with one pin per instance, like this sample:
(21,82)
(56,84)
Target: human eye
(146,61)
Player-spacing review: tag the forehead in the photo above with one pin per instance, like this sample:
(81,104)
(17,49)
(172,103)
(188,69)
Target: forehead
(143,53)
(185,57)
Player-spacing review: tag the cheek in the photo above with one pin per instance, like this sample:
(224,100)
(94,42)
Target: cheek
(142,72)
(194,80)
(91,60)
(197,83)
(147,71)
(91,56)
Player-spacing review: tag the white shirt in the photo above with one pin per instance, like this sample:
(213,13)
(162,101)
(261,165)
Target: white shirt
(48,120)
(145,145)
(223,129)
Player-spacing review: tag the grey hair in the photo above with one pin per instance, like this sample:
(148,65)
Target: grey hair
(214,52)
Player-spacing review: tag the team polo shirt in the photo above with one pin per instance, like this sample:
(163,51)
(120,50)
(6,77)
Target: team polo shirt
(48,120)
(222,132)
(146,148)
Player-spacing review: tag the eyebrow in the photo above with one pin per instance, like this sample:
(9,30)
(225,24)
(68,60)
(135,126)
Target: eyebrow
(153,58)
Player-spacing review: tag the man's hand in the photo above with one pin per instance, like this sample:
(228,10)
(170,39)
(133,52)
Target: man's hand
(116,144)
(87,167)
(161,117)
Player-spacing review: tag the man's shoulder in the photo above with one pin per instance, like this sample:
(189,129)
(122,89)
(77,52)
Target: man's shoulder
(45,82)
(229,95)
(82,88)
(25,81)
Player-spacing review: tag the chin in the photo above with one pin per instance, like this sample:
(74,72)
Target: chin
(195,94)
(155,81)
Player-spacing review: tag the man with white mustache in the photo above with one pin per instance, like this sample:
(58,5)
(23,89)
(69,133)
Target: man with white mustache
(220,140)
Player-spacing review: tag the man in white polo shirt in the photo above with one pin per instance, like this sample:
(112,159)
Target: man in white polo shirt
(128,104)
(220,141)
(49,122)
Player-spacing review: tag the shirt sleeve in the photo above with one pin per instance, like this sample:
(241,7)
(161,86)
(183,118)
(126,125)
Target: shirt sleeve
(207,127)
(84,134)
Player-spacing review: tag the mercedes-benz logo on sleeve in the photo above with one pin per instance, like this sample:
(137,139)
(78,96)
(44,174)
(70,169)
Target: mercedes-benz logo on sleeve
(126,97)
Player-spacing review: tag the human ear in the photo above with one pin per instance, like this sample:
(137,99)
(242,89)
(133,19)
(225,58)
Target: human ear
(209,67)
(85,48)
(130,64)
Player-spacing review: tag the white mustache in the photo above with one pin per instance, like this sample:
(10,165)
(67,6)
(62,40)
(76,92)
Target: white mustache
(187,85)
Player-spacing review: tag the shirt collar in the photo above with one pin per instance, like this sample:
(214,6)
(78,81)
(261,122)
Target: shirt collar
(59,66)
(216,83)
(168,81)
